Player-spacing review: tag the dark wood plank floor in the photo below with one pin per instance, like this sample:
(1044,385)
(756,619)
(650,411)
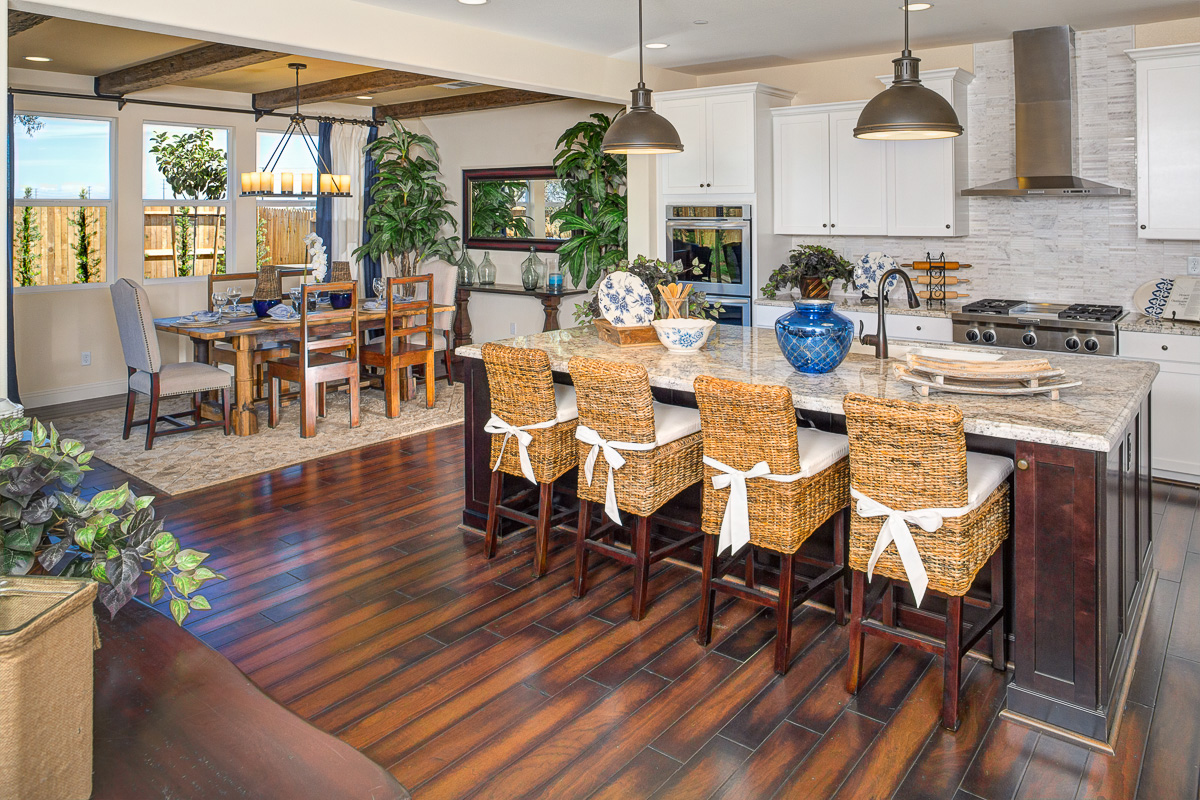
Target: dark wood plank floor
(354,599)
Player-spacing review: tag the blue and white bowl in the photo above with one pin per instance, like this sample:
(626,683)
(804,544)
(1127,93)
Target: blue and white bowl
(868,270)
(683,335)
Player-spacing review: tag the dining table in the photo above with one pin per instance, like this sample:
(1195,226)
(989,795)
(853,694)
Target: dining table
(245,333)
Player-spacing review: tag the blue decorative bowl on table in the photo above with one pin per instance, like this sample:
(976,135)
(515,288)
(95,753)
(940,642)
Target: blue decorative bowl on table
(814,338)
(261,307)
(340,300)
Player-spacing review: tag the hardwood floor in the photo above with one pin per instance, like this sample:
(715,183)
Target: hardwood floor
(353,599)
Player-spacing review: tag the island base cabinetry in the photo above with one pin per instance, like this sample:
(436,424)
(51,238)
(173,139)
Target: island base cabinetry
(1082,578)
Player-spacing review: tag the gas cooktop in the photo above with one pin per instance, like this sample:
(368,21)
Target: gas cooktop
(1074,327)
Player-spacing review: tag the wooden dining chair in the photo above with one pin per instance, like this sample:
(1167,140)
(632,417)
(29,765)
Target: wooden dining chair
(223,352)
(319,359)
(445,284)
(397,350)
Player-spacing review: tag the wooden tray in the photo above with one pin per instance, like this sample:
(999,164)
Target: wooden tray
(1006,388)
(1032,369)
(632,336)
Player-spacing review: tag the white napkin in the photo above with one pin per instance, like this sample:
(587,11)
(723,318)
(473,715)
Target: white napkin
(283,311)
(200,316)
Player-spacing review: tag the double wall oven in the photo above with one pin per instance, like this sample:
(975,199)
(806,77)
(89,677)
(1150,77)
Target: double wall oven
(718,240)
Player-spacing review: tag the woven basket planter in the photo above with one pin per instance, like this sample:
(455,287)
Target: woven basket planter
(47,635)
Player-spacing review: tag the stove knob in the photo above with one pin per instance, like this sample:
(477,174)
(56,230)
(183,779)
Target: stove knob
(1029,339)
(1091,344)
(989,337)
(1072,342)
(972,335)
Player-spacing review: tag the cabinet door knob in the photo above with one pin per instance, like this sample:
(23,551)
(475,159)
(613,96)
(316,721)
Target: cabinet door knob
(947,227)
(1022,464)
(833,224)
(1164,347)
(824,224)
(708,184)
(918,327)
(1143,227)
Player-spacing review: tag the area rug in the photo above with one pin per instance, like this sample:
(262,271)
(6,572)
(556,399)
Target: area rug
(186,462)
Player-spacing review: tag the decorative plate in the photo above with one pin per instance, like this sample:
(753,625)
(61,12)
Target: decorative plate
(625,301)
(1151,298)
(870,267)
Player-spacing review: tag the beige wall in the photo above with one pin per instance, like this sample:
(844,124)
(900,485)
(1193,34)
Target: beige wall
(1160,34)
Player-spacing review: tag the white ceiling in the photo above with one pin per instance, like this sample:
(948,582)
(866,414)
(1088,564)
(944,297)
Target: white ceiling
(770,32)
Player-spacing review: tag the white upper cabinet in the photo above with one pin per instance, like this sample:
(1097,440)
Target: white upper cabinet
(1168,141)
(828,182)
(722,130)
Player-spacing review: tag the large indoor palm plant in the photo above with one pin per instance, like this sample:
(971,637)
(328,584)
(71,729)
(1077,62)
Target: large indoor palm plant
(407,215)
(596,211)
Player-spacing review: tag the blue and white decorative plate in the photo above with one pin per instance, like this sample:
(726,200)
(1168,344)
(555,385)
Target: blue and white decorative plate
(869,268)
(1151,298)
(625,301)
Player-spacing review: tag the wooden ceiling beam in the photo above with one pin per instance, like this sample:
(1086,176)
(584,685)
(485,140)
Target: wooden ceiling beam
(208,59)
(377,82)
(499,98)
(21,21)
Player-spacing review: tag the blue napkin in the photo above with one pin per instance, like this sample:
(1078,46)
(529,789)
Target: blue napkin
(200,316)
(283,311)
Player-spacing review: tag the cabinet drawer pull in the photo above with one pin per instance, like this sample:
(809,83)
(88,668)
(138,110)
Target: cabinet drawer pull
(1143,227)
(947,227)
(918,327)
(1164,347)
(1022,464)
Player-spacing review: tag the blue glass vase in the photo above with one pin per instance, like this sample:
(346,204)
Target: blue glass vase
(261,307)
(814,338)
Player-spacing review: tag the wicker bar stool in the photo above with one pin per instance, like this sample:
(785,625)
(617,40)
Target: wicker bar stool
(634,455)
(533,436)
(771,485)
(946,512)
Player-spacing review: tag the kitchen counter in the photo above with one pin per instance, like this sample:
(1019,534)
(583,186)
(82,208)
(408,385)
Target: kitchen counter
(1140,323)
(1088,417)
(897,307)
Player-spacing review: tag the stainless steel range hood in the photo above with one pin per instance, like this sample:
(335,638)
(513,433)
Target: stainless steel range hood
(1044,71)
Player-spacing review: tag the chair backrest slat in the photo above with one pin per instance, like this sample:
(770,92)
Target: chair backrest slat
(135,322)
(231,277)
(349,338)
(421,302)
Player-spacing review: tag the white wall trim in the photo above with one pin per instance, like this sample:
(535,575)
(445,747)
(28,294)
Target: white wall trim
(73,394)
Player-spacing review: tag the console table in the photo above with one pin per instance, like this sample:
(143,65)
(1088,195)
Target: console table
(462,295)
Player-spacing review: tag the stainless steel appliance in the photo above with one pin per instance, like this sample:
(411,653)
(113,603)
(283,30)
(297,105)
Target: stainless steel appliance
(1055,327)
(718,238)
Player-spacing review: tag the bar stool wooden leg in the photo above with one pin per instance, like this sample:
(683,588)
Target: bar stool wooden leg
(581,551)
(708,595)
(889,605)
(641,567)
(1000,629)
(858,587)
(783,612)
(493,519)
(749,567)
(839,558)
(952,662)
(541,545)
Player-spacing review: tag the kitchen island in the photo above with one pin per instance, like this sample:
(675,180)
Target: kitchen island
(1080,551)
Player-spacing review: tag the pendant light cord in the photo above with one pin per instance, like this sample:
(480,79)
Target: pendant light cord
(641,66)
(907,51)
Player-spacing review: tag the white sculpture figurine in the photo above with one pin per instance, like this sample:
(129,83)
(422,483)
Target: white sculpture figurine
(317,257)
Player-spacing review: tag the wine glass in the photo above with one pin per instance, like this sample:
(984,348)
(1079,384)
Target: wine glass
(380,286)
(295,293)
(234,294)
(219,299)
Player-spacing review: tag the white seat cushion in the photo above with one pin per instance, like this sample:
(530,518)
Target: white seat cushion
(439,340)
(984,474)
(820,450)
(672,423)
(565,402)
(186,378)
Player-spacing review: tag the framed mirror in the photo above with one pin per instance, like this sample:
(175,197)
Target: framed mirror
(510,208)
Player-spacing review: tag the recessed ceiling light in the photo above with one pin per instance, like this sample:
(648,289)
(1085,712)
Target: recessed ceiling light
(657,45)
(365,97)
(472,2)
(39,59)
(910,6)
(699,22)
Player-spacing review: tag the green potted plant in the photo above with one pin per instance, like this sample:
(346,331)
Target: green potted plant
(596,212)
(408,210)
(812,269)
(655,274)
(113,537)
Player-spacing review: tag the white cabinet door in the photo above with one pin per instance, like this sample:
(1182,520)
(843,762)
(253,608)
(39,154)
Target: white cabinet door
(858,185)
(1175,421)
(1168,132)
(686,172)
(801,173)
(765,316)
(920,187)
(731,144)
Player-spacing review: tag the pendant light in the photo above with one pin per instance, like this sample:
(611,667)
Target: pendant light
(641,131)
(906,109)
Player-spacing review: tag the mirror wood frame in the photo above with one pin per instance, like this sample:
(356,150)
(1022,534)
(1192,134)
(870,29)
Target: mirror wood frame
(503,243)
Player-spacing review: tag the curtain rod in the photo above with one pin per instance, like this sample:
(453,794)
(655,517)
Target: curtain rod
(121,101)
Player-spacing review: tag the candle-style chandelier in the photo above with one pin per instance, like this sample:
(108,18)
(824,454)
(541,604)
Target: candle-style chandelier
(321,184)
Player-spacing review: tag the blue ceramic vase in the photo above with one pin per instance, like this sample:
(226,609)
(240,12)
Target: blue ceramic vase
(814,338)
(340,300)
(261,307)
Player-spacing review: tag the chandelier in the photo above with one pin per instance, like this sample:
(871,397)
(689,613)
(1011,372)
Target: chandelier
(291,184)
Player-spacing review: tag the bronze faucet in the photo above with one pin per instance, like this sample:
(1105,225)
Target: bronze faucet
(879,340)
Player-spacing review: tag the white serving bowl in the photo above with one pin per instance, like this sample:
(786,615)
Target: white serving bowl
(683,335)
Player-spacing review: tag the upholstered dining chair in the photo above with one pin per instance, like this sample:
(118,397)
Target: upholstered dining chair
(150,377)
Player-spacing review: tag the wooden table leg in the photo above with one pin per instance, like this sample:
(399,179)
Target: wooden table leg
(550,303)
(462,319)
(245,420)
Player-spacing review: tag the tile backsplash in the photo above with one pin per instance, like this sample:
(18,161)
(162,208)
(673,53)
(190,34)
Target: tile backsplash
(1041,248)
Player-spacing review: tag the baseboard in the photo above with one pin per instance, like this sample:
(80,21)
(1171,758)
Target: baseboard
(73,394)
(1175,477)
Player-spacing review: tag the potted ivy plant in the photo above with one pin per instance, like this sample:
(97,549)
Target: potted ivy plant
(112,538)
(655,274)
(811,268)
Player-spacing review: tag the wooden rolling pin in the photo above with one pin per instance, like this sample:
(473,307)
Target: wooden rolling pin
(951,280)
(925,265)
(949,295)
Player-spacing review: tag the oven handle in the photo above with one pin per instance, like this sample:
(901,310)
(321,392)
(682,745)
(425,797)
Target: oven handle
(708,225)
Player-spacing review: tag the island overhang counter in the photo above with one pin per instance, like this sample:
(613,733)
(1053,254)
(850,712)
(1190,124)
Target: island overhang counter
(1080,552)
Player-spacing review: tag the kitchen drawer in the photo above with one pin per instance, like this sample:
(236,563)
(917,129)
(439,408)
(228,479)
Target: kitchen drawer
(1159,347)
(926,329)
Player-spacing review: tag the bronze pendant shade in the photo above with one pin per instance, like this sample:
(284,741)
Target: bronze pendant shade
(906,109)
(640,131)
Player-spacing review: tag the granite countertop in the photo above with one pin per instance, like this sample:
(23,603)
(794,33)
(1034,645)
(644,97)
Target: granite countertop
(1140,323)
(1089,417)
(897,307)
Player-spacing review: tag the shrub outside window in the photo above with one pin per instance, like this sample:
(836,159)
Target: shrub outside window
(63,206)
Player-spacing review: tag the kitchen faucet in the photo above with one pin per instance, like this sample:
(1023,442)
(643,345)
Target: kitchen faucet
(879,340)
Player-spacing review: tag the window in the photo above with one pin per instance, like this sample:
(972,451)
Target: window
(63,199)
(283,223)
(185,196)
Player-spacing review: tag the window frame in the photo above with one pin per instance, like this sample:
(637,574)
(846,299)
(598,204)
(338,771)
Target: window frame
(298,201)
(228,202)
(110,205)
